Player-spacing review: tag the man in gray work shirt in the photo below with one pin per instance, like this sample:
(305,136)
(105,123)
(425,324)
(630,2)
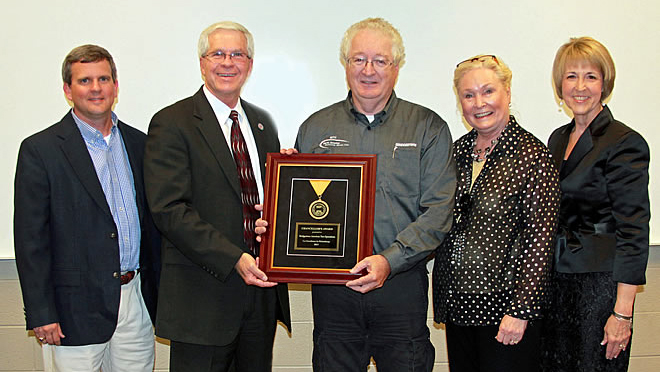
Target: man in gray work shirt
(383,314)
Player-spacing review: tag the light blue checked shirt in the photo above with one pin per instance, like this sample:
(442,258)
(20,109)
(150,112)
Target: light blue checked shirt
(114,172)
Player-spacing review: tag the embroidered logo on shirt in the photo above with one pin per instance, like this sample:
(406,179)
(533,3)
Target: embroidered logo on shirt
(333,141)
(400,145)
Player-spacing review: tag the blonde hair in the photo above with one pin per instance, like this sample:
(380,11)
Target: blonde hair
(584,49)
(487,61)
(376,24)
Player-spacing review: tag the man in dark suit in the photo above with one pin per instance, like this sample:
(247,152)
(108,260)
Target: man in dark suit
(86,247)
(204,169)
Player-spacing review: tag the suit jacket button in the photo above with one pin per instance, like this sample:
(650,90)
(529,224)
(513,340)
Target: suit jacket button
(116,275)
(113,235)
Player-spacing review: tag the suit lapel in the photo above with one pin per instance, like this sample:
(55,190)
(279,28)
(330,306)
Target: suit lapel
(210,129)
(557,146)
(75,150)
(582,147)
(258,133)
(133,150)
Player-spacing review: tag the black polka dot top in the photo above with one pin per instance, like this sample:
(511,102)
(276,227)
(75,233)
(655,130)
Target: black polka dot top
(497,258)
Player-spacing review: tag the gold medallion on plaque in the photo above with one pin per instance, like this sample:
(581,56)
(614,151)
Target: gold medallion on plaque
(319,209)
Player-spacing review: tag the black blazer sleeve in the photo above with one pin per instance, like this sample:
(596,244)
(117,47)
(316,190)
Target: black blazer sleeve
(32,236)
(627,187)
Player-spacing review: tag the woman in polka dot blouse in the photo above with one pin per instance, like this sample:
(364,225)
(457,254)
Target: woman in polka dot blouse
(491,272)
(603,239)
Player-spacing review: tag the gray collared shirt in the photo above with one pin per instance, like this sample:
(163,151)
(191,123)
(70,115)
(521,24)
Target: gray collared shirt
(416,177)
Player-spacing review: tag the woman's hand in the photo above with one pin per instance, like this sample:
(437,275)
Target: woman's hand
(617,336)
(617,332)
(511,330)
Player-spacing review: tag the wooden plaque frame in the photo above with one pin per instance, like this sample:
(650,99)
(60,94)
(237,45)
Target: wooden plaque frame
(287,207)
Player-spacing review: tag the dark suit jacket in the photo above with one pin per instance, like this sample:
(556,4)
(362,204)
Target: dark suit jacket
(604,212)
(194,195)
(65,239)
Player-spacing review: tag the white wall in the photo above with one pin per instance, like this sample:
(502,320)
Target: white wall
(296,69)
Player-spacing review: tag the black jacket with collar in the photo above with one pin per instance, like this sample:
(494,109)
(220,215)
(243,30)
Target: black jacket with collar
(604,213)
(195,197)
(65,238)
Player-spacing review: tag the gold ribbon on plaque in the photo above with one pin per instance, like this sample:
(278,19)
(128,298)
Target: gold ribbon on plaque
(319,209)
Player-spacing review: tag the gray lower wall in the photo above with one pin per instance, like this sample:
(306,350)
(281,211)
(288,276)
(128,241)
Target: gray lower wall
(19,351)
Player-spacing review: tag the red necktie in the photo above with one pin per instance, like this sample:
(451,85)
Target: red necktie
(249,191)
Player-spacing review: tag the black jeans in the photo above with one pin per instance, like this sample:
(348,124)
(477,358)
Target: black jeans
(388,323)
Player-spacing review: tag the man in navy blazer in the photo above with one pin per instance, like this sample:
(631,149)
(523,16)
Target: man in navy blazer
(215,305)
(87,250)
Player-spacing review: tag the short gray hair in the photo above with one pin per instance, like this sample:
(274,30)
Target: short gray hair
(376,24)
(203,44)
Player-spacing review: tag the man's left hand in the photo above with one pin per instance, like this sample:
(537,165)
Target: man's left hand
(261,225)
(378,269)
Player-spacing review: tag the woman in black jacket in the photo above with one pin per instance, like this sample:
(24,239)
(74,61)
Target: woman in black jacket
(603,239)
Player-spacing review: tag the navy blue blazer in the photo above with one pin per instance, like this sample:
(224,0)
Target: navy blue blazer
(604,212)
(65,239)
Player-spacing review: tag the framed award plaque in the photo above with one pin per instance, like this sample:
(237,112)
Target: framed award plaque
(320,213)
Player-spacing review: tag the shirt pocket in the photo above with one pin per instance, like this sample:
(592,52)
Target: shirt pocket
(400,171)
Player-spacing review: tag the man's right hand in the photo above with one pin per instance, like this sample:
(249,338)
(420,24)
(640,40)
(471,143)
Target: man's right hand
(248,268)
(49,334)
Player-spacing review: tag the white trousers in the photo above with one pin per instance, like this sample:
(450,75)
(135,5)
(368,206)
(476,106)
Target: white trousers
(131,347)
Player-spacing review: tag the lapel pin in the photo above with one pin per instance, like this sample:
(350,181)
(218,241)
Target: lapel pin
(260,126)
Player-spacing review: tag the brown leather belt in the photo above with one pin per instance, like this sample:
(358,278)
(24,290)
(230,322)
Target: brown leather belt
(126,278)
